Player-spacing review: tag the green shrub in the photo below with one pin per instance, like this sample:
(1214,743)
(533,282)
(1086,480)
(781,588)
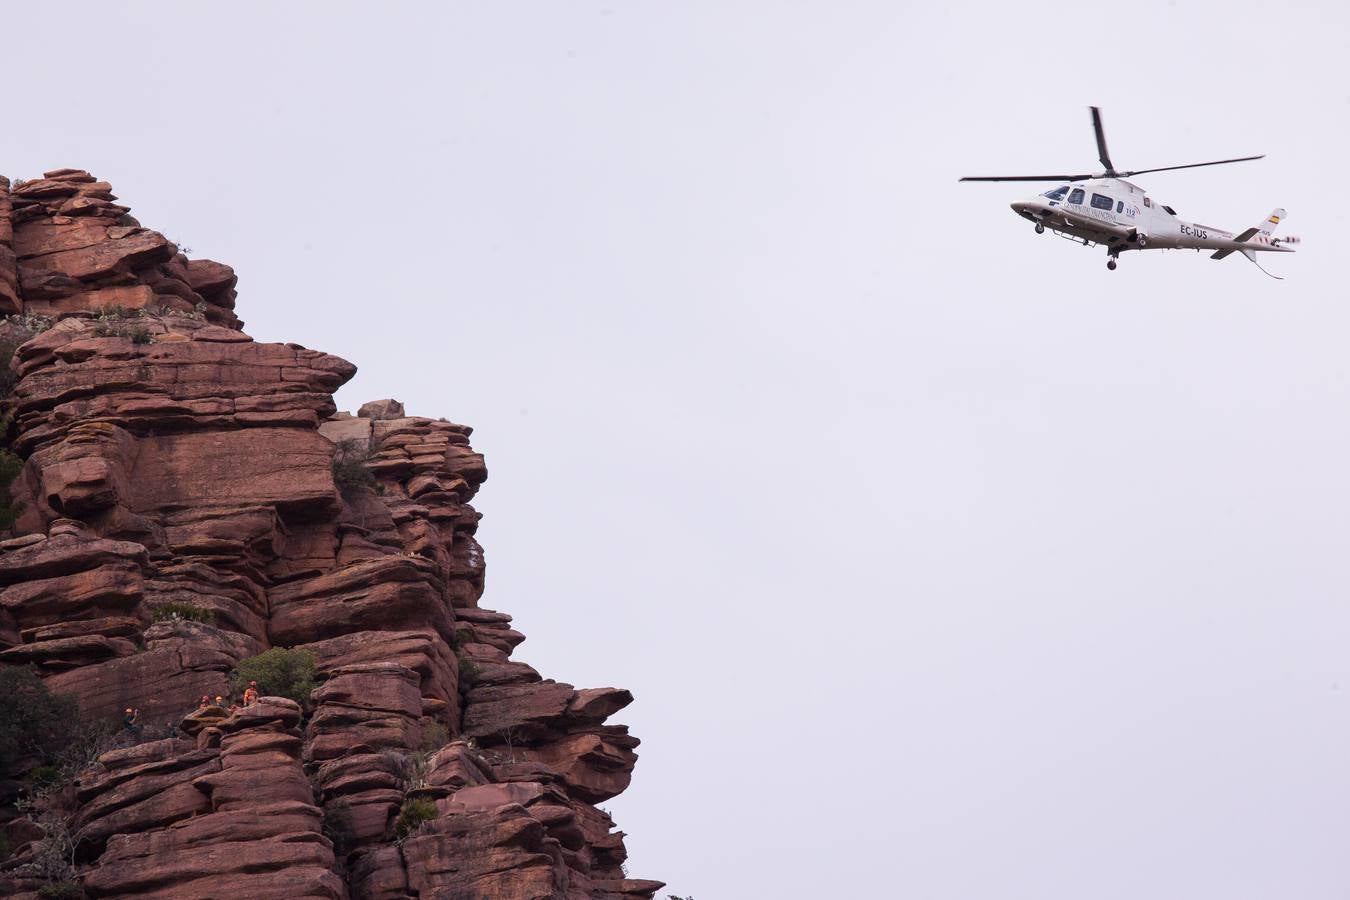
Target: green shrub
(349,467)
(30,322)
(279,673)
(468,673)
(434,736)
(10,467)
(34,722)
(111,321)
(339,828)
(44,776)
(413,814)
(8,377)
(61,890)
(89,740)
(175,610)
(138,335)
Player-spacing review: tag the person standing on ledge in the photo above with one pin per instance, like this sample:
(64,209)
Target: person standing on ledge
(251,693)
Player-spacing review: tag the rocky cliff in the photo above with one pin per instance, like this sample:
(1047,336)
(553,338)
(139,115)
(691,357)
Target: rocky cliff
(171,462)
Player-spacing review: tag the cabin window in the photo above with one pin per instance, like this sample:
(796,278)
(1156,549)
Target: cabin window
(1101,201)
(1120,206)
(1148,204)
(1076,196)
(1057,194)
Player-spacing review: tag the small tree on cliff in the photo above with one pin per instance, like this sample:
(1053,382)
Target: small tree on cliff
(10,467)
(349,467)
(279,673)
(35,724)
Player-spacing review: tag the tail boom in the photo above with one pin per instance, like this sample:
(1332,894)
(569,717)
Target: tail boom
(1260,238)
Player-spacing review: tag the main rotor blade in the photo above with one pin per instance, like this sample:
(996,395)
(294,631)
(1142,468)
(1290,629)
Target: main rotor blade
(1102,153)
(1217,162)
(1027,178)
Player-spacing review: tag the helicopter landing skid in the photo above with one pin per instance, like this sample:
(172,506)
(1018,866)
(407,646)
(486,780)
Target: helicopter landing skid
(1086,242)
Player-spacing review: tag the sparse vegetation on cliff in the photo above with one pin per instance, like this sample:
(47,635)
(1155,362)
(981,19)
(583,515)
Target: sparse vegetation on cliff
(36,726)
(61,890)
(176,611)
(468,673)
(434,736)
(10,464)
(349,467)
(112,321)
(279,673)
(10,509)
(412,816)
(337,827)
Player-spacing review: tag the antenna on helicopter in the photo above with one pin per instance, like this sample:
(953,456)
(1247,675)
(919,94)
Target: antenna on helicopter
(1105,159)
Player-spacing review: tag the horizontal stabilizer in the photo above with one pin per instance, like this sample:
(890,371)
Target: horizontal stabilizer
(1245,236)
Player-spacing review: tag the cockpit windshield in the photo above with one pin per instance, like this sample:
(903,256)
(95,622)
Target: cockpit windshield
(1058,193)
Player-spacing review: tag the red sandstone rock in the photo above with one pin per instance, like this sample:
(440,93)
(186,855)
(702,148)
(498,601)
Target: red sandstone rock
(381,409)
(501,854)
(170,459)
(379,874)
(396,592)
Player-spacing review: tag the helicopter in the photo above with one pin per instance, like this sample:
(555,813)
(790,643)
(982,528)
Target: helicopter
(1106,210)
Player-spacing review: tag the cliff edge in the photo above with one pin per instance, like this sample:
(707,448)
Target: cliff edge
(189,499)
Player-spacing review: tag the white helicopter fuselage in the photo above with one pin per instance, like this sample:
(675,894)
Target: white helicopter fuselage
(1119,215)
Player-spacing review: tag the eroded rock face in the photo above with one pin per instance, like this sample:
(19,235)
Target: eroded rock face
(172,460)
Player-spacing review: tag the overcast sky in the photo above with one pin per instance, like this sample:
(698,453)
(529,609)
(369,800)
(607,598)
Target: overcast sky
(943,562)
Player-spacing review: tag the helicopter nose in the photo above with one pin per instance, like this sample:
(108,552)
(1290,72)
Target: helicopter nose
(1023,208)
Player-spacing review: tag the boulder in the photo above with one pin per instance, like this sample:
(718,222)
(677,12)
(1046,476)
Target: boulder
(381,409)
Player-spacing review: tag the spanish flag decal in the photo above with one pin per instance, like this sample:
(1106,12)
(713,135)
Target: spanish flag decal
(1274,220)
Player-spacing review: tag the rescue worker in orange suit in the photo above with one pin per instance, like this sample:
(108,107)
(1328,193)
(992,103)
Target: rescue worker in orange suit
(251,693)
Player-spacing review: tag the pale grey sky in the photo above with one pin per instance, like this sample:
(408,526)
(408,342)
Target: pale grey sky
(943,563)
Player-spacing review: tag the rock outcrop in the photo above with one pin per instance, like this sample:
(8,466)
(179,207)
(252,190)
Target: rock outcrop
(171,462)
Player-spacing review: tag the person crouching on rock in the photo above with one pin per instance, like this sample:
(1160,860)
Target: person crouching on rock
(204,703)
(251,693)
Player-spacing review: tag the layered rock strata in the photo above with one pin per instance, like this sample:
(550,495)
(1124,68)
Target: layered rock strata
(170,459)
